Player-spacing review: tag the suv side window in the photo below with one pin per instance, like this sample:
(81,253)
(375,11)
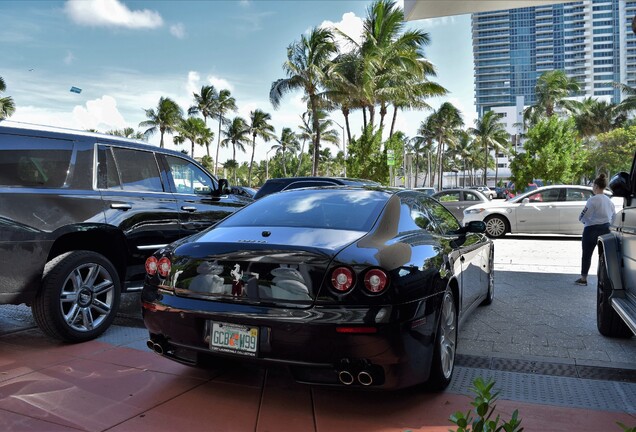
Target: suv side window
(189,178)
(138,170)
(34,162)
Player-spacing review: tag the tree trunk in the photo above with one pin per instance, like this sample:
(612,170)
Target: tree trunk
(316,125)
(417,163)
(218,145)
(300,157)
(249,175)
(345,113)
(382,114)
(486,164)
(395,110)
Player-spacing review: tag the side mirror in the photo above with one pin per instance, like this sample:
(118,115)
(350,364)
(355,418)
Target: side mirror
(619,184)
(526,200)
(224,188)
(476,226)
(473,226)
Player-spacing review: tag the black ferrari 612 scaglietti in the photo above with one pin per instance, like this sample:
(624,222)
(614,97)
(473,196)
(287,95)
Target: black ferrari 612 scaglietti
(347,286)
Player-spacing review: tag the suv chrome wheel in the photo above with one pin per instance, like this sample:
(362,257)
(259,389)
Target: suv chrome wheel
(79,296)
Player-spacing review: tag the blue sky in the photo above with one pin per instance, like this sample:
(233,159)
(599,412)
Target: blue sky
(125,55)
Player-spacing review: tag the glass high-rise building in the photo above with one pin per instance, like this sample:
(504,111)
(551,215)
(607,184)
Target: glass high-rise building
(590,40)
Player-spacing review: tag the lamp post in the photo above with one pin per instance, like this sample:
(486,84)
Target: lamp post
(267,163)
(344,147)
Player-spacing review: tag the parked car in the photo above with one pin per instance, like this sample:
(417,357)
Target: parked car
(285,183)
(245,191)
(500,192)
(347,286)
(456,200)
(490,194)
(616,287)
(545,210)
(426,190)
(80,213)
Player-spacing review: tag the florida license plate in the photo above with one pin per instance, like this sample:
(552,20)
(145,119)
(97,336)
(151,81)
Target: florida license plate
(234,339)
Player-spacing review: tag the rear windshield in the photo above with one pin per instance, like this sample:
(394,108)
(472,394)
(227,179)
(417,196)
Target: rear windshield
(355,210)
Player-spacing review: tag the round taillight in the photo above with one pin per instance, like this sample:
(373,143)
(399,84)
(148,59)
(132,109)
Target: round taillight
(375,281)
(342,279)
(163,267)
(151,266)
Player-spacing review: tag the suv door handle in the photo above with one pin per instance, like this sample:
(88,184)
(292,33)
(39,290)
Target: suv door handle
(120,206)
(189,208)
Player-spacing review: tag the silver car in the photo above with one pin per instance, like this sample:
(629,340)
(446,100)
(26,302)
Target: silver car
(546,210)
(456,200)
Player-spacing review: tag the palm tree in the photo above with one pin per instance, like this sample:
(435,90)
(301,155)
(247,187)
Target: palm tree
(205,104)
(306,69)
(629,103)
(192,128)
(288,141)
(444,124)
(490,132)
(7,106)
(237,133)
(259,127)
(127,132)
(225,103)
(164,119)
(593,117)
(551,91)
(305,134)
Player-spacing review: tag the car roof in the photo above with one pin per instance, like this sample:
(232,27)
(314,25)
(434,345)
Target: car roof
(475,191)
(282,183)
(22,128)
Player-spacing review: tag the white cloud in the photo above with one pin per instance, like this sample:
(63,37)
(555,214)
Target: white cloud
(99,114)
(220,83)
(178,31)
(70,58)
(110,13)
(351,25)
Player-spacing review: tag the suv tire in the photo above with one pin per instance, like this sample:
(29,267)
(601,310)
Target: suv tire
(607,320)
(79,296)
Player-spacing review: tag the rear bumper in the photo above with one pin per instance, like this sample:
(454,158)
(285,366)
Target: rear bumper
(398,354)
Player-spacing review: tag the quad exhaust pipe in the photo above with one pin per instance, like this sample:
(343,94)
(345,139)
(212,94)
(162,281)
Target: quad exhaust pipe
(355,371)
(156,347)
(345,377)
(365,378)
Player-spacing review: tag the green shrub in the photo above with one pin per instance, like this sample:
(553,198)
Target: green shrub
(484,408)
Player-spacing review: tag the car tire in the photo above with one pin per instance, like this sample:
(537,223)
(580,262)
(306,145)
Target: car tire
(608,322)
(79,296)
(443,364)
(490,296)
(496,226)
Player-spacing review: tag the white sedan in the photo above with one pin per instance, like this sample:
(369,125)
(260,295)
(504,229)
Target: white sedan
(546,210)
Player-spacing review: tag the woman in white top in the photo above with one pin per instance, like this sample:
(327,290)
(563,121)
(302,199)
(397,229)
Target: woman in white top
(597,215)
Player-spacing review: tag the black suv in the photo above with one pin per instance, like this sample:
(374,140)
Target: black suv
(80,213)
(616,290)
(285,183)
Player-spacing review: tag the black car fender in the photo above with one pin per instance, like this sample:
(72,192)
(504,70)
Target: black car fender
(101,238)
(609,247)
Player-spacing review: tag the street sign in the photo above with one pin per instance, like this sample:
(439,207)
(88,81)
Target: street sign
(390,157)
